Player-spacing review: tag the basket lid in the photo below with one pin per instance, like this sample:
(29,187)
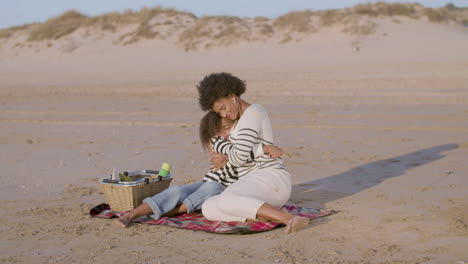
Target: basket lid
(141,180)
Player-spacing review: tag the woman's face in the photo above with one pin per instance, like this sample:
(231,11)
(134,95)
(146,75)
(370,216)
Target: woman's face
(226,107)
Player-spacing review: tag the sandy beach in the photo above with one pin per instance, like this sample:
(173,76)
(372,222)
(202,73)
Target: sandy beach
(373,126)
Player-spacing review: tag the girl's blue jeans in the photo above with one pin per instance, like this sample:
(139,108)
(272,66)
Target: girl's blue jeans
(192,195)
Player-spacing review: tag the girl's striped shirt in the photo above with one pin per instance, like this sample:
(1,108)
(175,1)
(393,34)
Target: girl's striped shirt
(225,175)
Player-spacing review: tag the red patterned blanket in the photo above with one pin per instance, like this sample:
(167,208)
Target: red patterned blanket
(196,221)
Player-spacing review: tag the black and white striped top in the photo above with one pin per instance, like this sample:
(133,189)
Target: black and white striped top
(251,130)
(228,174)
(225,175)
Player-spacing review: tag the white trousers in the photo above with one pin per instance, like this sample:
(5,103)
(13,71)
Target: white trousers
(242,199)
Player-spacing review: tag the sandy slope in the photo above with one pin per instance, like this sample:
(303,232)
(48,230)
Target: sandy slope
(379,133)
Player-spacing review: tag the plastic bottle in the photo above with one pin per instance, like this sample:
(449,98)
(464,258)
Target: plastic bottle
(115,175)
(164,171)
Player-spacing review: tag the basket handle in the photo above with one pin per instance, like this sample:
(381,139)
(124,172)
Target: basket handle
(146,181)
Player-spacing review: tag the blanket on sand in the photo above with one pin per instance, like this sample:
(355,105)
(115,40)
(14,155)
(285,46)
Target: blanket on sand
(196,221)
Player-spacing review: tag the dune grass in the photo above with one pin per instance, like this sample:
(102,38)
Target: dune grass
(382,9)
(266,29)
(360,28)
(439,15)
(8,32)
(110,21)
(260,19)
(331,17)
(70,21)
(436,15)
(464,22)
(5,33)
(58,27)
(192,37)
(213,31)
(296,21)
(143,18)
(208,31)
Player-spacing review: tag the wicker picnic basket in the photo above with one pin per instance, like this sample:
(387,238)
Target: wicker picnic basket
(125,196)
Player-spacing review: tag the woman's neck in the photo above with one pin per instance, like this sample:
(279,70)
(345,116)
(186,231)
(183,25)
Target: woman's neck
(243,105)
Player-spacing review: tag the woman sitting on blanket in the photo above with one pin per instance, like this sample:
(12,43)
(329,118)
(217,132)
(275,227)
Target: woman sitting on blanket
(264,184)
(190,197)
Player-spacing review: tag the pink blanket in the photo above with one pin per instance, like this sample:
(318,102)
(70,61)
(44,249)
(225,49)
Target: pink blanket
(196,221)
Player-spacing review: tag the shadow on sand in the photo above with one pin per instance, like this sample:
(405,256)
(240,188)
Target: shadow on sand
(316,193)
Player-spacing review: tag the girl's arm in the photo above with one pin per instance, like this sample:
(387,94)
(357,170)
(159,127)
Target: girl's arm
(219,160)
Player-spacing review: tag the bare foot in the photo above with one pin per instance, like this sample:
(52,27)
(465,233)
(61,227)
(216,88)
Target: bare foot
(124,221)
(296,223)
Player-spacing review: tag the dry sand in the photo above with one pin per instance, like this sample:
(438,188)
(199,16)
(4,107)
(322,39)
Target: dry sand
(379,133)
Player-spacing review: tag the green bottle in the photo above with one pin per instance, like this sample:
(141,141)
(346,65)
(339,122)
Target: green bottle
(164,171)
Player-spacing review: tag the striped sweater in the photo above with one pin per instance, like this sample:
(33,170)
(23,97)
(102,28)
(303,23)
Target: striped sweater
(228,174)
(225,175)
(251,130)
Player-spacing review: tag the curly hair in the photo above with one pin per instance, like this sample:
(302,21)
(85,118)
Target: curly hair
(216,86)
(210,124)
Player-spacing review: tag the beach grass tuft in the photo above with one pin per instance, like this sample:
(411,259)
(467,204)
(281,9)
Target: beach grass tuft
(9,32)
(212,31)
(58,27)
(296,21)
(382,9)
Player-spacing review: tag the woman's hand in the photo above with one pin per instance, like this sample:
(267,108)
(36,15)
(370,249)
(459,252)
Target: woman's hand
(272,151)
(218,161)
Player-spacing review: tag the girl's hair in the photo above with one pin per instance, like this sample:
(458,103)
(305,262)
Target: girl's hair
(210,124)
(216,86)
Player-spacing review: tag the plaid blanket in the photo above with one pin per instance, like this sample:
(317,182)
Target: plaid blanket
(196,221)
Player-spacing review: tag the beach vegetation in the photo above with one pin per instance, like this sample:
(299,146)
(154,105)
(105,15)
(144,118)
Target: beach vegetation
(8,32)
(192,32)
(191,37)
(286,38)
(70,21)
(331,17)
(5,33)
(382,9)
(266,29)
(439,15)
(360,27)
(464,22)
(260,19)
(296,21)
(146,29)
(450,6)
(216,30)
(58,27)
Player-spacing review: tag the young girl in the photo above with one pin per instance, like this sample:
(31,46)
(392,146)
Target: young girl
(190,197)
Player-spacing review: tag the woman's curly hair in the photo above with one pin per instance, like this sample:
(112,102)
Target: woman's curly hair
(216,86)
(210,125)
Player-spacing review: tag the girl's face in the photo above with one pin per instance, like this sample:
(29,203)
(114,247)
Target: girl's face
(227,107)
(226,126)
